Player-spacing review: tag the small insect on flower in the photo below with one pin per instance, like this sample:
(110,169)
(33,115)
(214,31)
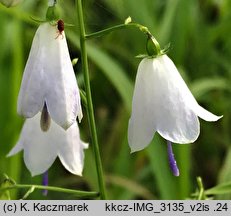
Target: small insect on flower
(60,27)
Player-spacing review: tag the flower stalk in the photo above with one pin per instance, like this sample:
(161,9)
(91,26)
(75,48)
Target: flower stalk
(152,46)
(77,193)
(90,109)
(103,32)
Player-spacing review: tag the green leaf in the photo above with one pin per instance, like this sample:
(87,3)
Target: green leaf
(167,21)
(224,179)
(201,87)
(184,161)
(224,188)
(130,186)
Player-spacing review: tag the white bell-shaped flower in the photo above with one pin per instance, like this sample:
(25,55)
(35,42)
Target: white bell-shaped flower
(162,102)
(41,148)
(49,79)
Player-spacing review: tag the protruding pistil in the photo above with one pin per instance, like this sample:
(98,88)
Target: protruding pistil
(172,161)
(45,120)
(45,183)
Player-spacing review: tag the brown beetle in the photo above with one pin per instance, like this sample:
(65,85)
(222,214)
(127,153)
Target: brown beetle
(60,27)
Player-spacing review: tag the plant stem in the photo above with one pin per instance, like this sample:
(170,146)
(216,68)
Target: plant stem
(201,195)
(118,27)
(90,110)
(82,194)
(106,31)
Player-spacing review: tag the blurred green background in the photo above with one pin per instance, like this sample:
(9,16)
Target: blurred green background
(199,32)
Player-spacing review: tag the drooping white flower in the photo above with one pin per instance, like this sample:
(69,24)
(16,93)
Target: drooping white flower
(41,148)
(49,79)
(163,103)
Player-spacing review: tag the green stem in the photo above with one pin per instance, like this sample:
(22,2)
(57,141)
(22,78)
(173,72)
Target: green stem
(82,194)
(153,47)
(90,110)
(201,195)
(83,97)
(118,27)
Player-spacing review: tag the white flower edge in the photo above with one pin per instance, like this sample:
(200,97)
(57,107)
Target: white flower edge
(51,3)
(163,103)
(42,148)
(49,78)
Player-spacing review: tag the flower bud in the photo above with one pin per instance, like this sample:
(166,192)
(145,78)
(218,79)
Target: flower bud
(74,61)
(128,20)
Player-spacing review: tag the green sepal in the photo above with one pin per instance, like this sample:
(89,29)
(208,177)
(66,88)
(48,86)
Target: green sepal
(149,56)
(54,22)
(38,20)
(142,56)
(166,49)
(160,53)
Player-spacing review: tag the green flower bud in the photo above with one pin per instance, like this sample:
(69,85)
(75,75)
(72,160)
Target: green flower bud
(74,61)
(128,20)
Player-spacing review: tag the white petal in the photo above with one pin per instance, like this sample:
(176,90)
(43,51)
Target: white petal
(204,114)
(40,148)
(159,105)
(62,93)
(31,94)
(172,102)
(141,124)
(17,148)
(49,77)
(162,102)
(179,96)
(71,152)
